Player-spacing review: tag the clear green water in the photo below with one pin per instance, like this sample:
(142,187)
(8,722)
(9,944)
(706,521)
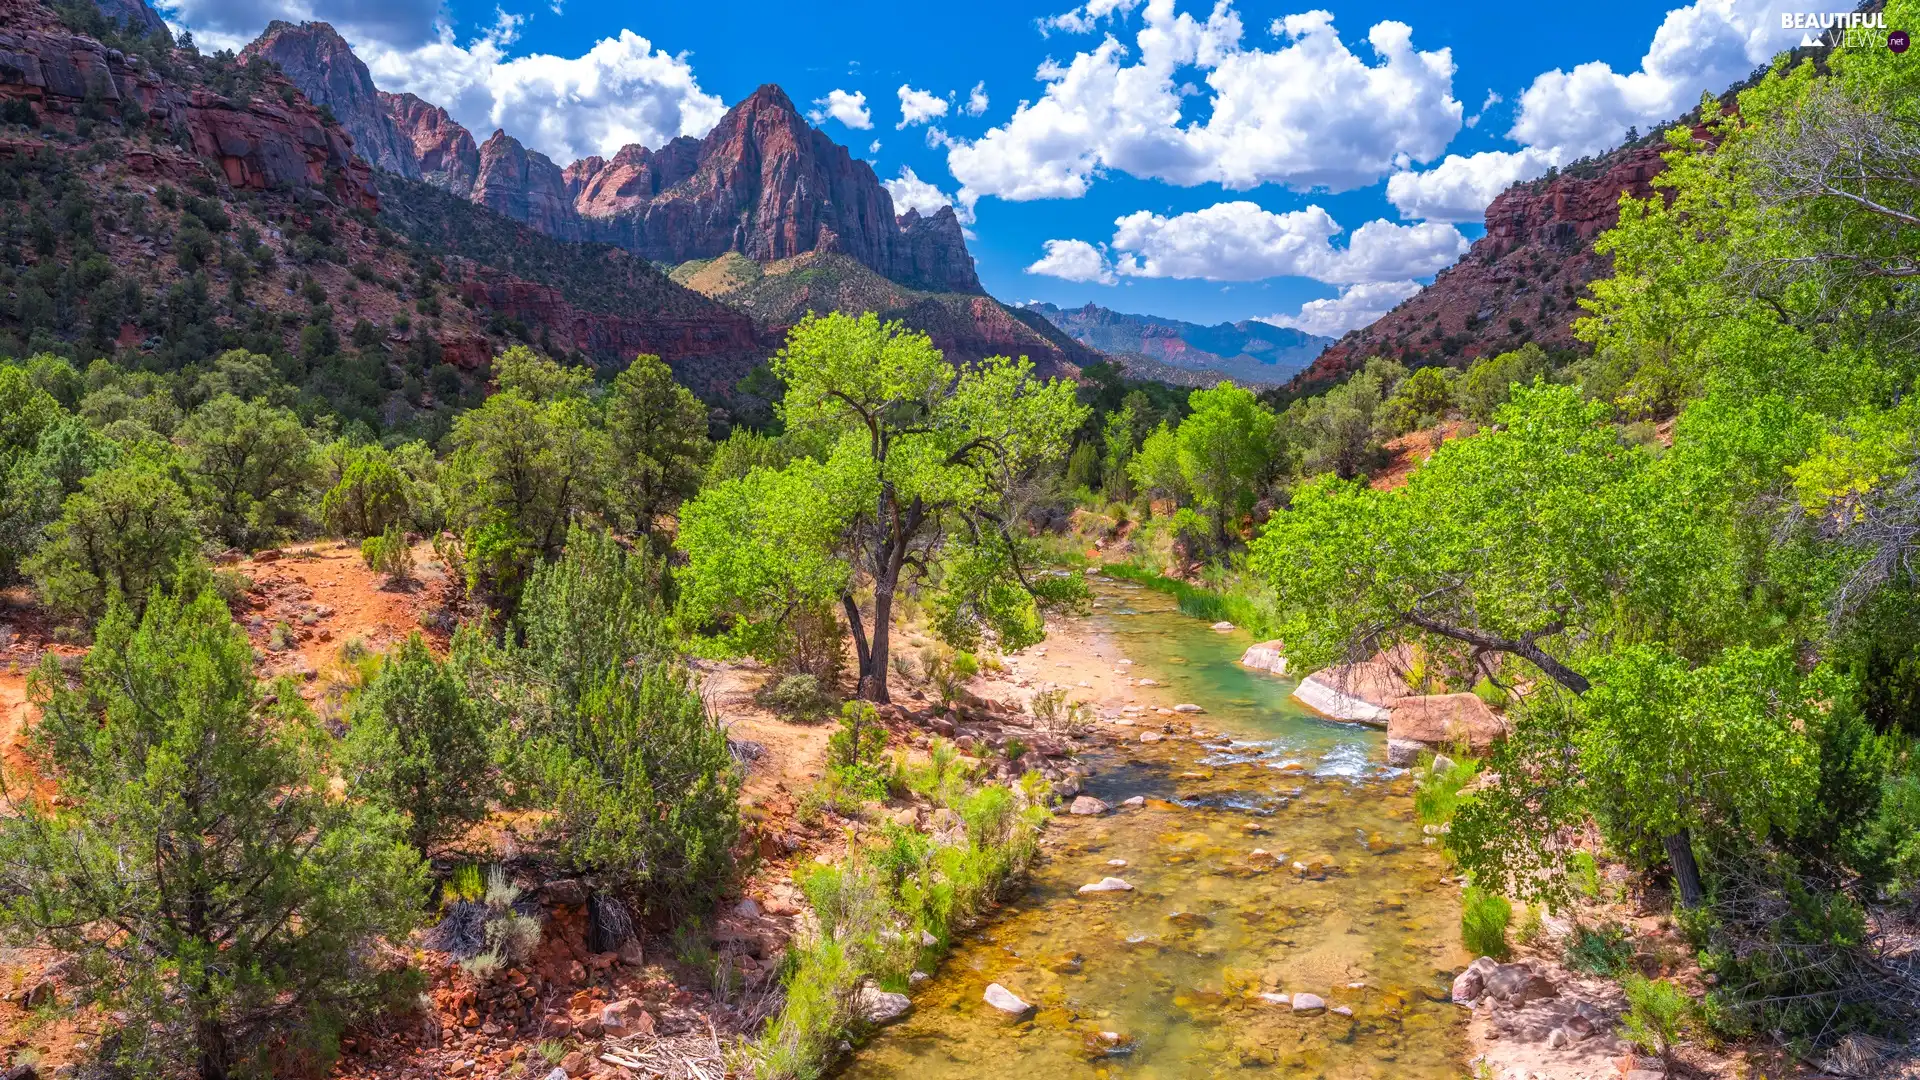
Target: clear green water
(1175,968)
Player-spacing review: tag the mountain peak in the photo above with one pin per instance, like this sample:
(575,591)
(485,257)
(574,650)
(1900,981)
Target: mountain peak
(321,63)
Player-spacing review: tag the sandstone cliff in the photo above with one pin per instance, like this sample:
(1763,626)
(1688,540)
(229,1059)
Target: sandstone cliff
(444,151)
(257,141)
(524,185)
(319,62)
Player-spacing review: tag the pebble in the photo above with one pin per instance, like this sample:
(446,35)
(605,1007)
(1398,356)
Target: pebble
(1106,884)
(1151,736)
(1136,802)
(1308,1002)
(1188,707)
(1223,625)
(1116,862)
(1004,1000)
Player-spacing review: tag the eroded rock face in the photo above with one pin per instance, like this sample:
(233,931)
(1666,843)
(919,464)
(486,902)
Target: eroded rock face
(524,185)
(443,151)
(258,144)
(325,69)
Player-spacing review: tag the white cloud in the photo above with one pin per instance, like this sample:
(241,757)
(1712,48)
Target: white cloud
(912,193)
(874,148)
(1356,306)
(1084,18)
(1459,188)
(1074,260)
(233,23)
(1240,241)
(1310,113)
(1492,100)
(849,109)
(919,106)
(1704,46)
(621,91)
(977,99)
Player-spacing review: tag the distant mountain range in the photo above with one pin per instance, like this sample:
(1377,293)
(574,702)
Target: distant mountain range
(1188,354)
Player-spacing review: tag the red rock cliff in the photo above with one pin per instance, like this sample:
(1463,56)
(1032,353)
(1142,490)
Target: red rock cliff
(319,62)
(1520,282)
(444,151)
(524,185)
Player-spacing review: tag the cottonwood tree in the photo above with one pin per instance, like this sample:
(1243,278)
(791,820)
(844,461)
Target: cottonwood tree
(937,465)
(195,863)
(1225,448)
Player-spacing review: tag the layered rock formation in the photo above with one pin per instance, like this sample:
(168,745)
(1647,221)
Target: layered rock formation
(1249,352)
(443,150)
(1520,282)
(321,64)
(259,144)
(524,185)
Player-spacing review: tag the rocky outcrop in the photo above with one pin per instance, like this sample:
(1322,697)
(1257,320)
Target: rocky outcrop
(320,63)
(1362,693)
(524,185)
(258,144)
(932,253)
(1520,282)
(1440,722)
(443,151)
(1268,656)
(133,14)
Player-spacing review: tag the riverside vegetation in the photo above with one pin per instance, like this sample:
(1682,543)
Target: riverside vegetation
(1683,562)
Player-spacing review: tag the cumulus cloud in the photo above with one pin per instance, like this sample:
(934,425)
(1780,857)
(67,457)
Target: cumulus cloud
(977,99)
(1074,260)
(1309,113)
(912,193)
(1083,19)
(849,109)
(233,23)
(919,106)
(1240,241)
(1356,306)
(623,90)
(1704,46)
(1459,188)
(1492,100)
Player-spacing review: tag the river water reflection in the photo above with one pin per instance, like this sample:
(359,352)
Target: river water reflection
(1282,858)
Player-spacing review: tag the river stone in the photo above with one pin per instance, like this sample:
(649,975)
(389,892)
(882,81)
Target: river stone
(1087,806)
(1151,736)
(1277,999)
(1341,1010)
(878,1007)
(1223,625)
(1517,984)
(1308,1003)
(1116,862)
(1106,884)
(1469,984)
(1136,802)
(1188,707)
(1003,999)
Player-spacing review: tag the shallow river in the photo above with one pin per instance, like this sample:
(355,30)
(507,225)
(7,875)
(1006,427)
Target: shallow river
(1166,981)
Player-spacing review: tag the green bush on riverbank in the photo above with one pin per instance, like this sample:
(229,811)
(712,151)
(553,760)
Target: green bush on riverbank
(1199,601)
(889,909)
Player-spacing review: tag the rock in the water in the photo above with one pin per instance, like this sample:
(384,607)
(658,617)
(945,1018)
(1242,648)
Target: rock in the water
(1151,736)
(1136,802)
(1004,1000)
(1308,1002)
(1266,656)
(1341,1010)
(1223,625)
(1106,884)
(1087,806)
(877,1006)
(1277,999)
(1188,707)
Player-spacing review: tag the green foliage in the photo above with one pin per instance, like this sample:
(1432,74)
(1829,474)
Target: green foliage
(799,696)
(370,495)
(420,745)
(197,820)
(389,554)
(1420,400)
(1603,950)
(658,431)
(1339,431)
(1488,383)
(611,731)
(1225,449)
(1438,795)
(1483,922)
(1657,1012)
(128,529)
(248,465)
(856,754)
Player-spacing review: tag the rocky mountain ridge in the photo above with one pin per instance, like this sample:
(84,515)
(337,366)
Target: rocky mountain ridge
(1171,350)
(763,182)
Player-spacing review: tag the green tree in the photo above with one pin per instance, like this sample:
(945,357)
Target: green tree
(419,744)
(249,464)
(370,495)
(1225,449)
(126,531)
(940,461)
(1421,399)
(525,466)
(1489,382)
(613,732)
(1155,469)
(195,865)
(659,435)
(1338,431)
(1120,436)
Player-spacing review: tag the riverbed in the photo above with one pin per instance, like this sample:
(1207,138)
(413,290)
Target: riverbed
(1275,856)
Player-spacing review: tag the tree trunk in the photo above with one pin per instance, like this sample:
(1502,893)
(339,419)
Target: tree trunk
(210,1039)
(1686,873)
(873,676)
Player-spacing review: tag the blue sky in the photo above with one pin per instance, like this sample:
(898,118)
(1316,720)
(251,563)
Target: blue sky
(1208,162)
